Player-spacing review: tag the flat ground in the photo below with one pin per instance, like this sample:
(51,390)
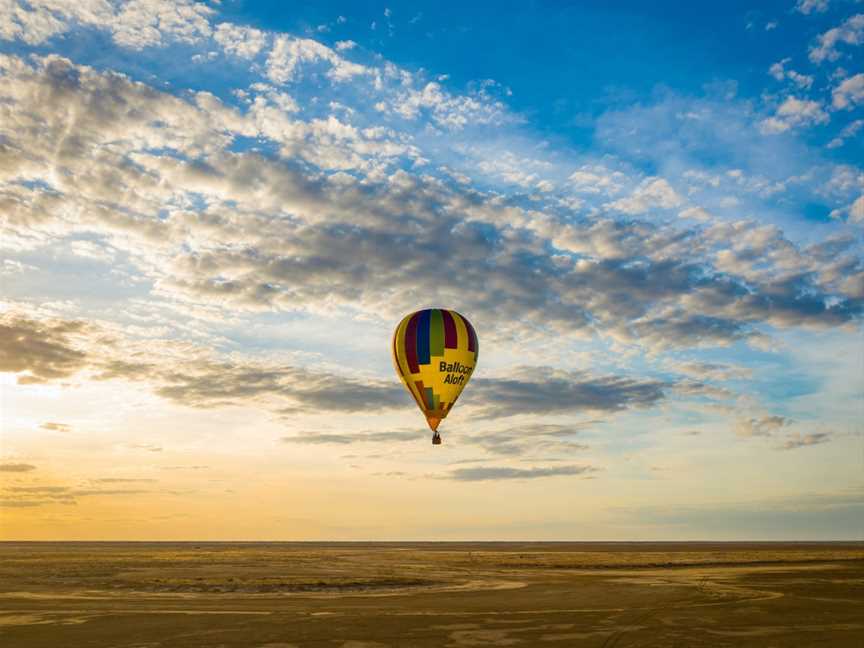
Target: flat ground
(365,595)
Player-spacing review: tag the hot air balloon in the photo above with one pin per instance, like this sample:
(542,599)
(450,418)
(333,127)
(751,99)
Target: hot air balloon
(435,352)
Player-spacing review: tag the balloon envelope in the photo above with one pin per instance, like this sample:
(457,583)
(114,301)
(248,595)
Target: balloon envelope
(435,352)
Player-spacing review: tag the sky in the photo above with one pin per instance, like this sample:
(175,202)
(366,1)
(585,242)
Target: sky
(214,214)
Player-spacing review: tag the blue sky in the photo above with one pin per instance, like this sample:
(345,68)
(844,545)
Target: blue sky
(214,214)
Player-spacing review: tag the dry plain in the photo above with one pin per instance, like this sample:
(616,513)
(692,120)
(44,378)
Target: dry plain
(366,595)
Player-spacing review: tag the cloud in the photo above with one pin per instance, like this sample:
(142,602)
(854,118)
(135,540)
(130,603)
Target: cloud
(713,370)
(224,383)
(289,53)
(849,93)
(856,210)
(532,439)
(63,494)
(190,377)
(39,351)
(40,495)
(596,179)
(653,193)
(346,242)
(794,112)
(446,110)
(16,467)
(45,495)
(122,480)
(851,32)
(490,473)
(136,24)
(546,390)
(807,7)
(42,490)
(174,373)
(849,131)
(779,72)
(96,492)
(799,440)
(241,41)
(696,213)
(673,329)
(529,439)
(322,438)
(149,447)
(55,427)
(764,426)
(695,388)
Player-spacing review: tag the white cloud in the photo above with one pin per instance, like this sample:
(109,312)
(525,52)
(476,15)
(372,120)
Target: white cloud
(143,23)
(453,112)
(794,112)
(845,180)
(703,178)
(209,227)
(856,211)
(763,426)
(136,24)
(778,71)
(849,93)
(849,131)
(12,267)
(696,213)
(33,25)
(850,32)
(592,179)
(653,193)
(92,250)
(289,52)
(241,41)
(811,6)
(799,440)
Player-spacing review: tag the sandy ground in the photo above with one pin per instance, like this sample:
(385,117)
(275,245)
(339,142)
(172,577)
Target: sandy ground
(349,595)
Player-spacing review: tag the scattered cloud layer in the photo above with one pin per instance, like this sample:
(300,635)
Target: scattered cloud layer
(53,426)
(794,112)
(39,351)
(850,33)
(16,467)
(802,440)
(491,473)
(545,390)
(44,495)
(316,438)
(764,426)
